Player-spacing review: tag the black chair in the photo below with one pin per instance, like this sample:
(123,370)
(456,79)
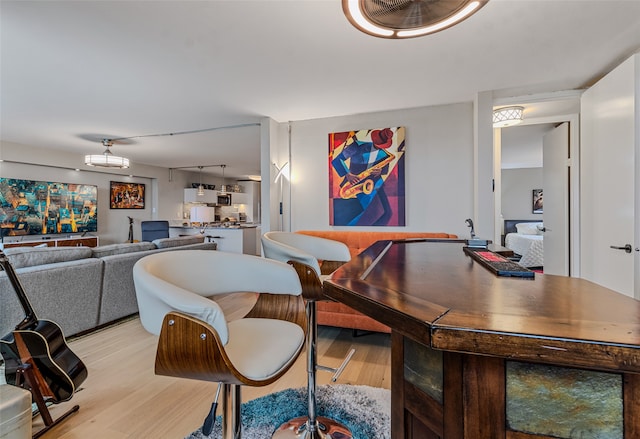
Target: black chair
(154,230)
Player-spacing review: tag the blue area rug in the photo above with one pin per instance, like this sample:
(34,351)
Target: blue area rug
(365,410)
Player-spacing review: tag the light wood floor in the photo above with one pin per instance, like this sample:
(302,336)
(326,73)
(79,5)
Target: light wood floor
(122,398)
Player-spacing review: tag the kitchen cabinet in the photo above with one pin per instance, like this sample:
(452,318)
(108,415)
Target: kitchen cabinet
(209,197)
(240,198)
(249,200)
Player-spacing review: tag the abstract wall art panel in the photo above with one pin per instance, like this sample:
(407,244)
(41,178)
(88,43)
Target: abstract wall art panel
(124,195)
(366,177)
(29,207)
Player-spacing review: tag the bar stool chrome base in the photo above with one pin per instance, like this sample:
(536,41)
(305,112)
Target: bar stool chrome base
(298,428)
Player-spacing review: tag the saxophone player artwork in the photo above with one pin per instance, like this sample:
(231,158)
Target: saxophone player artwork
(366,177)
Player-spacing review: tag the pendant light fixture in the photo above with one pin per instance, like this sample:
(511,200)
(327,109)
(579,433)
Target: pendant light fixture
(200,192)
(223,188)
(106,159)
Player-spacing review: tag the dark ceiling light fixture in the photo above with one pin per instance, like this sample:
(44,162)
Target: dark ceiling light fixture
(407,18)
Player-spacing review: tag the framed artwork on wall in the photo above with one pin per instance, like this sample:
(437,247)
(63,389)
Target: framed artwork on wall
(366,177)
(124,195)
(537,201)
(31,207)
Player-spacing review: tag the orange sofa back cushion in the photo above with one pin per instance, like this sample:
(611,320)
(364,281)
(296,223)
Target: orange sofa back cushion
(357,241)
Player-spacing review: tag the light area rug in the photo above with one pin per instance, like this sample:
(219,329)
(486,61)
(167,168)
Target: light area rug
(365,410)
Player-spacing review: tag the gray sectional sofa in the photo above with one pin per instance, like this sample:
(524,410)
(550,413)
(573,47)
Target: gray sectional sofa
(80,288)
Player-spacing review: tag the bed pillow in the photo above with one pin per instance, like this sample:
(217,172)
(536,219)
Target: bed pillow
(529,228)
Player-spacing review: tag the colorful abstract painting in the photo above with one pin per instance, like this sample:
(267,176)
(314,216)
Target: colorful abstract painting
(126,195)
(29,207)
(366,177)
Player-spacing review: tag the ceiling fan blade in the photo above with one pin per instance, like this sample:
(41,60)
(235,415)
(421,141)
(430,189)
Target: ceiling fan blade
(410,14)
(98,138)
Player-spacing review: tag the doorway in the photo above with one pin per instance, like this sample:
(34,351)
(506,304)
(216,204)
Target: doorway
(519,172)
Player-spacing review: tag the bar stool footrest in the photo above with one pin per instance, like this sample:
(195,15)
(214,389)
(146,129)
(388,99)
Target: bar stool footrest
(337,371)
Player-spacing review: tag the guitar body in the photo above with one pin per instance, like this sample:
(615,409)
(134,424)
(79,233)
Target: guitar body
(42,344)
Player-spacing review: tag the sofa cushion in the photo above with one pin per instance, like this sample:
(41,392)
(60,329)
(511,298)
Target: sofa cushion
(120,249)
(67,293)
(358,241)
(178,241)
(31,256)
(118,292)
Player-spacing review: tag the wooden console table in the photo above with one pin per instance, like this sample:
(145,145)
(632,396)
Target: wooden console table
(477,356)
(88,241)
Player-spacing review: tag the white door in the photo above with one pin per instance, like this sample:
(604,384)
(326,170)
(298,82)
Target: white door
(608,169)
(555,184)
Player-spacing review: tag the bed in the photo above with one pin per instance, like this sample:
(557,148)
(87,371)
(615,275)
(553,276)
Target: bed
(525,238)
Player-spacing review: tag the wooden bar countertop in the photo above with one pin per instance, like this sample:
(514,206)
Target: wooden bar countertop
(436,294)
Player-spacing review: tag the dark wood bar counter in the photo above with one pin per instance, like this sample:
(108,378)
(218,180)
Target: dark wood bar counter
(475,355)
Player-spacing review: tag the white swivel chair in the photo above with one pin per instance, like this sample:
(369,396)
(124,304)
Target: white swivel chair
(304,252)
(197,342)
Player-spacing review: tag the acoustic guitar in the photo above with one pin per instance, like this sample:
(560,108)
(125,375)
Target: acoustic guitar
(41,345)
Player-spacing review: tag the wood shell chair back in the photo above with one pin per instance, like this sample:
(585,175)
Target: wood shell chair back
(176,298)
(312,257)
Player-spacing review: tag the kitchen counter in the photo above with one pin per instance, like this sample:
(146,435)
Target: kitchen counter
(220,226)
(239,238)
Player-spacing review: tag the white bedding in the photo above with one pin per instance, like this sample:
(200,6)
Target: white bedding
(530,247)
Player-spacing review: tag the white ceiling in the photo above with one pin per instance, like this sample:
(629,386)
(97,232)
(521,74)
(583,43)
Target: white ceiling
(73,72)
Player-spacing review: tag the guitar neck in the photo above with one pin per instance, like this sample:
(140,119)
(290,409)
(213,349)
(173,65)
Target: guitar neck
(30,315)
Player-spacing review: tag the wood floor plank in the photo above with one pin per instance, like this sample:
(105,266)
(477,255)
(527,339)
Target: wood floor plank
(123,399)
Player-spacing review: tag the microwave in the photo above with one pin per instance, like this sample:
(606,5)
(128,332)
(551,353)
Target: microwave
(224,199)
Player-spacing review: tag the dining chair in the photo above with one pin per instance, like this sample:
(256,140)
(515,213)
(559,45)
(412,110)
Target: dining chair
(155,229)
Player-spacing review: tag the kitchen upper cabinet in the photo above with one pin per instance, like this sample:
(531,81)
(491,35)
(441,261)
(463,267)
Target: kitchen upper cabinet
(240,198)
(209,197)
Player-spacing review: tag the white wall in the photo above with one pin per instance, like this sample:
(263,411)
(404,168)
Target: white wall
(163,198)
(439,167)
(439,173)
(517,186)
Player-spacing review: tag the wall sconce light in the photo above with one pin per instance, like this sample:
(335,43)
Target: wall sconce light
(283,172)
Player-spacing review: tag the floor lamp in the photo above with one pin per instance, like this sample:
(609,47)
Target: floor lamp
(283,173)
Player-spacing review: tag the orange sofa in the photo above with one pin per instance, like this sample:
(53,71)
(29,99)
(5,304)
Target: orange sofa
(339,315)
